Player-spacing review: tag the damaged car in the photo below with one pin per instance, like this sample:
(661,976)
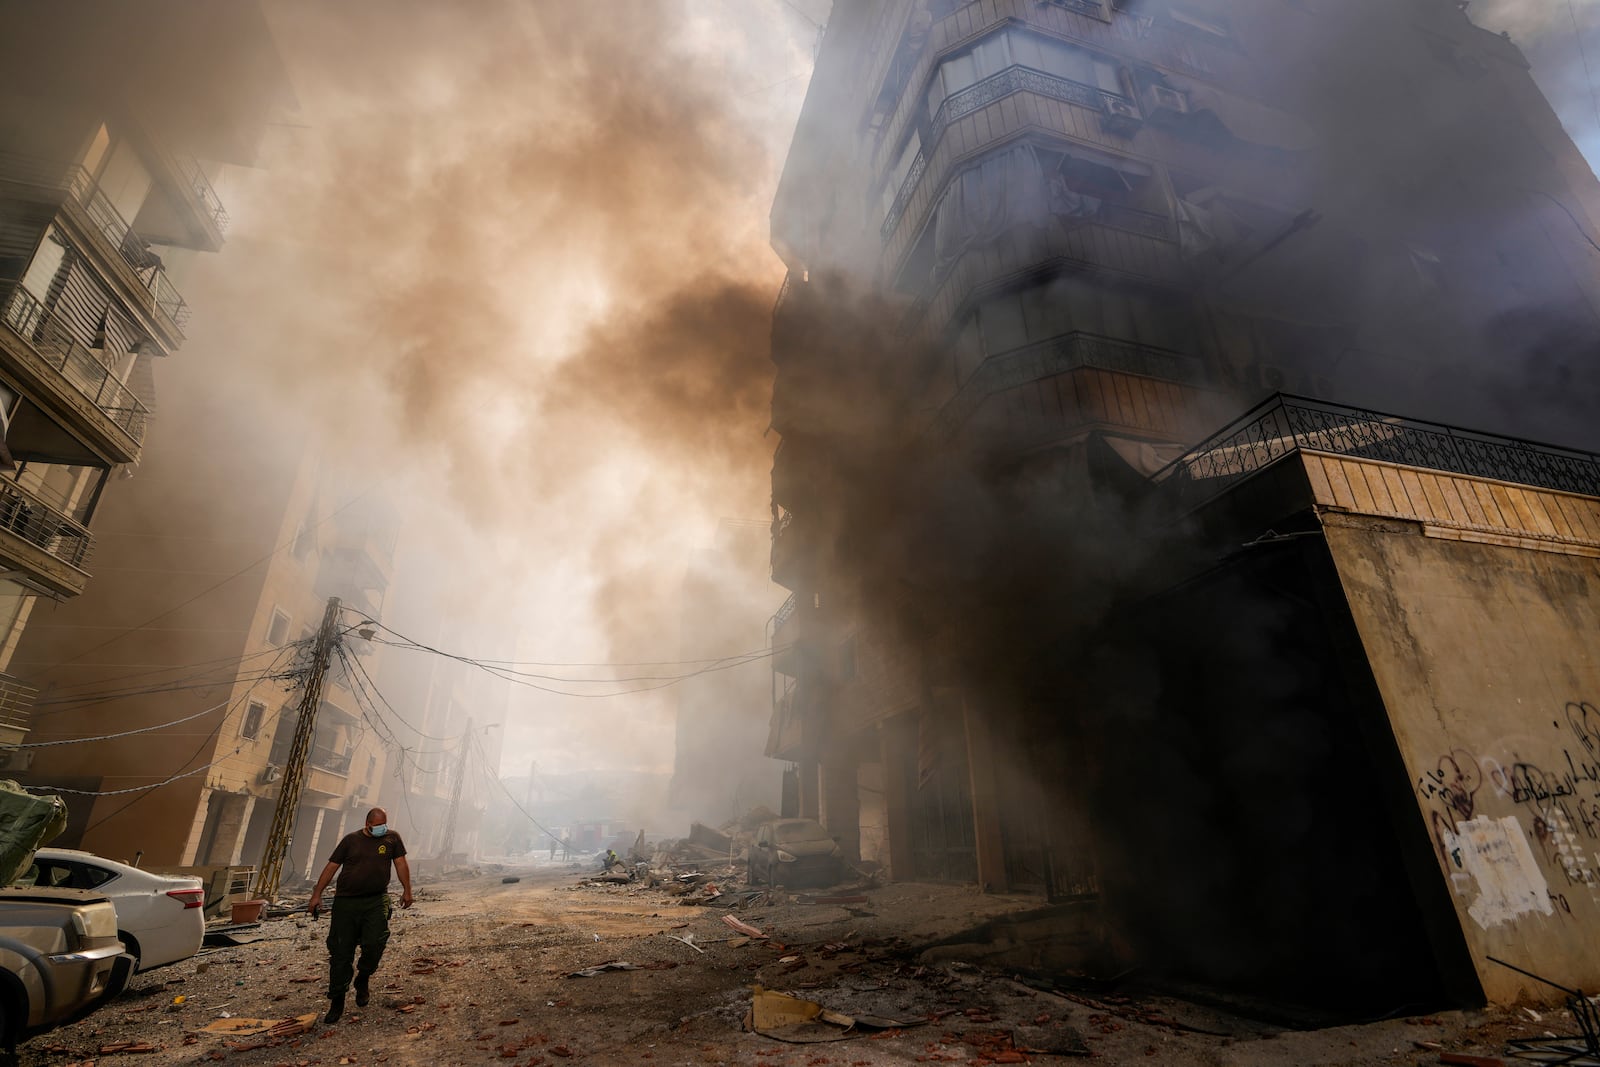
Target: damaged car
(795,852)
(60,958)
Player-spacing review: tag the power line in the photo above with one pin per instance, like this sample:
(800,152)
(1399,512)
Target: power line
(87,700)
(378,696)
(155,668)
(145,789)
(519,677)
(218,585)
(483,763)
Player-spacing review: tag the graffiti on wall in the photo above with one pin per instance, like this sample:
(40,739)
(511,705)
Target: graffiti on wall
(1556,800)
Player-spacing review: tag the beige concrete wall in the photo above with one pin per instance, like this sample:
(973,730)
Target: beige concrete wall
(1488,663)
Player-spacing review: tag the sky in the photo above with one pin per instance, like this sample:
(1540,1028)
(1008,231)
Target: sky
(508,262)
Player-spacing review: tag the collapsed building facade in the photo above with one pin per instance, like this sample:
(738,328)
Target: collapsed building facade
(110,139)
(1320,686)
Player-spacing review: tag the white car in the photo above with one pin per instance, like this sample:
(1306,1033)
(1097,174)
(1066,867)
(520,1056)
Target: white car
(160,918)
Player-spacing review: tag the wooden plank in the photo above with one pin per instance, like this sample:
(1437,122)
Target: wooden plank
(1380,492)
(1514,518)
(1339,483)
(1397,491)
(1491,507)
(1579,518)
(1463,495)
(1534,501)
(1451,488)
(1551,502)
(1358,486)
(1321,491)
(1421,506)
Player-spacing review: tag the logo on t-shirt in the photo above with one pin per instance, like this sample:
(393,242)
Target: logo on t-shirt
(383,850)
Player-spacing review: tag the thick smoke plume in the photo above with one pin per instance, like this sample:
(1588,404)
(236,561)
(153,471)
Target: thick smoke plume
(510,262)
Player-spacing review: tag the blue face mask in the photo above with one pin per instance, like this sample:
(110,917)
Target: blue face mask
(378,830)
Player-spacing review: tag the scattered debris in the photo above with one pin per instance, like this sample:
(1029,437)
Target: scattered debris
(787,1018)
(743,927)
(688,939)
(614,965)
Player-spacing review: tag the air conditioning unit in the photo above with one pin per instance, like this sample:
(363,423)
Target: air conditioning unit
(16,760)
(359,793)
(270,773)
(1163,99)
(1120,117)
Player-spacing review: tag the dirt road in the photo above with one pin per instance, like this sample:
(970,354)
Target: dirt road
(477,972)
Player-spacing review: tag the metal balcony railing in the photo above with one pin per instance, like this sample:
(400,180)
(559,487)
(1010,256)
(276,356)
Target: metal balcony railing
(30,518)
(1283,424)
(981,94)
(53,342)
(328,760)
(83,193)
(15,700)
(1057,355)
(200,185)
(786,612)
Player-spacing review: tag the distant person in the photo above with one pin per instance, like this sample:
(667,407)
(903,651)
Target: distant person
(553,844)
(611,858)
(364,861)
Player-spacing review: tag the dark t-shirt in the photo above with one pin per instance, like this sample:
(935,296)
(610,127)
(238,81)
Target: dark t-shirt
(365,862)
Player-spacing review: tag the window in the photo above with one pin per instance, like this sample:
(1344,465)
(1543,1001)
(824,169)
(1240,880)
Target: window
(1013,48)
(252,721)
(372,766)
(278,631)
(302,542)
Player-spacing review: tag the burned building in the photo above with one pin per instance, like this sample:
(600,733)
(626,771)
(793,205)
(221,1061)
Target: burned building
(717,772)
(1318,686)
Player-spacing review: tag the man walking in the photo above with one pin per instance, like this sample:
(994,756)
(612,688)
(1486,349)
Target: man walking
(363,861)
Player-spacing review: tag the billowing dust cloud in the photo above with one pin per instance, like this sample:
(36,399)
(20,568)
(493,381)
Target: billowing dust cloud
(510,262)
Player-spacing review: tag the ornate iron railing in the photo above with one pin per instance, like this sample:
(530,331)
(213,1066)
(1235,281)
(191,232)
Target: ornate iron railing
(1058,355)
(43,526)
(1283,424)
(981,94)
(1093,8)
(102,215)
(328,760)
(53,342)
(15,700)
(786,612)
(903,197)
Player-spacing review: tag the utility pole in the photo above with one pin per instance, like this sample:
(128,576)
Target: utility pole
(294,770)
(455,794)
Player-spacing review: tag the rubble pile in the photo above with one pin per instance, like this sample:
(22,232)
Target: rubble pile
(705,868)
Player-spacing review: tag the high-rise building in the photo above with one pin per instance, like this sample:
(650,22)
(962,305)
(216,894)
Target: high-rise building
(114,121)
(1038,250)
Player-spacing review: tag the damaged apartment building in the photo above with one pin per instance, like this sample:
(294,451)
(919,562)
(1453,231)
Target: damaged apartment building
(247,586)
(113,124)
(1156,382)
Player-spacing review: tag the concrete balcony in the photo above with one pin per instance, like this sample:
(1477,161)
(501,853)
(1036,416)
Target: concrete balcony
(122,256)
(15,700)
(63,377)
(44,548)
(791,552)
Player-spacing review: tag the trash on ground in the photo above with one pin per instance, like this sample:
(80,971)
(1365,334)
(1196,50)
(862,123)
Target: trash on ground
(614,965)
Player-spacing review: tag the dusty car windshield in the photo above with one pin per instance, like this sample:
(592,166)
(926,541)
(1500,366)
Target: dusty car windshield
(796,832)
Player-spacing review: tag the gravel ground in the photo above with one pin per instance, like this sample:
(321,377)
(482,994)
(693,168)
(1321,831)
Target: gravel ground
(477,972)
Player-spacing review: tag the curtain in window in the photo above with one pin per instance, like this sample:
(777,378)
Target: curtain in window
(985,202)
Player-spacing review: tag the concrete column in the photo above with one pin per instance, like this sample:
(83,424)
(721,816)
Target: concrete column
(985,801)
(810,783)
(246,810)
(197,829)
(897,787)
(841,810)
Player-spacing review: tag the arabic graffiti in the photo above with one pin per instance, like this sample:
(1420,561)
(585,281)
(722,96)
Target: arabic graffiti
(1561,797)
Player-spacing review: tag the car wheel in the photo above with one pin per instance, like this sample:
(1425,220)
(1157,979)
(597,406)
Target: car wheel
(130,945)
(13,1017)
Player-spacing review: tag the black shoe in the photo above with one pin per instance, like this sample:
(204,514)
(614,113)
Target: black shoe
(362,993)
(335,1009)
